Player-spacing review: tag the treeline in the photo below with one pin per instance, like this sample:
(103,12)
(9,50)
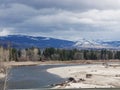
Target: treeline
(74,54)
(36,54)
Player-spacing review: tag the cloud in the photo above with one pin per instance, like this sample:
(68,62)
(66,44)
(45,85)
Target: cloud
(67,4)
(67,19)
(101,17)
(5,31)
(15,13)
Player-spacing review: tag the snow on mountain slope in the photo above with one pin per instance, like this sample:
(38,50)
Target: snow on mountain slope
(83,43)
(23,41)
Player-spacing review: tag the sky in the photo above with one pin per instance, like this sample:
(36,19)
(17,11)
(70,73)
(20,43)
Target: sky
(63,19)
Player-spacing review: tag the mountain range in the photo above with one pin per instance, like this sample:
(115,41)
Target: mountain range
(23,41)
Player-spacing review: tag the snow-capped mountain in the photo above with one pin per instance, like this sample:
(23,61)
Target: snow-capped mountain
(83,43)
(22,41)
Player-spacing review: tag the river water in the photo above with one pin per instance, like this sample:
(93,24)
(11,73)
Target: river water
(27,77)
(35,78)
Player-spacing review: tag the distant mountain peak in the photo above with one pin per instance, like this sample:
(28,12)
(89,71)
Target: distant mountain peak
(23,41)
(86,43)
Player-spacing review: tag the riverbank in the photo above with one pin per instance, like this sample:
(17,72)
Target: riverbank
(89,76)
(35,63)
(32,63)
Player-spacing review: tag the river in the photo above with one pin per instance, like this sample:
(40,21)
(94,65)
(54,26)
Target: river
(35,77)
(27,77)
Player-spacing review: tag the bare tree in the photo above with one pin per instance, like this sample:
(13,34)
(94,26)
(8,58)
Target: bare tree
(5,87)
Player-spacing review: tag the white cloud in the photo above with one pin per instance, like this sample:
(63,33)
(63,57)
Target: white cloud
(5,31)
(99,18)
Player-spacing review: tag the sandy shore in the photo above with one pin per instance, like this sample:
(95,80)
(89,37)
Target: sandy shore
(59,71)
(100,76)
(29,63)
